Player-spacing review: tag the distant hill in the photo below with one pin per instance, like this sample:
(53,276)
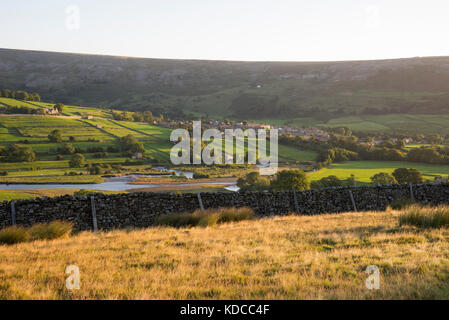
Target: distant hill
(244,90)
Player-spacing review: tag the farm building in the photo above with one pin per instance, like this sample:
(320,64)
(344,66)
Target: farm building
(137,155)
(51,111)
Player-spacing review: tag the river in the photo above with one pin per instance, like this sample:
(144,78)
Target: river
(117,183)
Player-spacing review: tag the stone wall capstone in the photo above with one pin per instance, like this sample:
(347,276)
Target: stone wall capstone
(140,209)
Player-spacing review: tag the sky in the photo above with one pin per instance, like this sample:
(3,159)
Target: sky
(249,30)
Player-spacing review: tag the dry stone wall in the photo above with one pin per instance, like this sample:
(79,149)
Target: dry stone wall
(139,210)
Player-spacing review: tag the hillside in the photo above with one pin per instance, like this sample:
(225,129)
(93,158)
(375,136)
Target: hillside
(296,257)
(277,90)
(98,139)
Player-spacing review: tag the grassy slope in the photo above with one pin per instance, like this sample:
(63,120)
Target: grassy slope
(36,129)
(363,170)
(375,123)
(319,257)
(315,89)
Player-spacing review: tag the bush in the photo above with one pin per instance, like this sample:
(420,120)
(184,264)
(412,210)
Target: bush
(82,192)
(197,175)
(178,220)
(205,218)
(50,231)
(290,179)
(235,214)
(425,217)
(77,161)
(12,235)
(43,231)
(400,204)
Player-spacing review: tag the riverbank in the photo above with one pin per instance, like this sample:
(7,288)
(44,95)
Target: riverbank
(52,179)
(8,195)
(192,188)
(129,183)
(180,180)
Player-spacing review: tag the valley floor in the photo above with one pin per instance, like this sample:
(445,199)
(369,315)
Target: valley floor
(293,257)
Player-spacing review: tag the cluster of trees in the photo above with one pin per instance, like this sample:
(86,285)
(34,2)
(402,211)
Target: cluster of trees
(383,178)
(77,161)
(59,107)
(68,149)
(20,95)
(346,148)
(283,180)
(16,153)
(19,110)
(399,176)
(297,179)
(431,155)
(27,110)
(55,136)
(333,181)
(130,144)
(146,116)
(101,168)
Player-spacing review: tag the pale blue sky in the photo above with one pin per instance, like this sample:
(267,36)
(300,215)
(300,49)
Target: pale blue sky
(294,30)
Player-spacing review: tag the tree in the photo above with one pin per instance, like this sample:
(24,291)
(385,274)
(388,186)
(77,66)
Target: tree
(138,117)
(148,116)
(252,182)
(77,161)
(131,144)
(435,139)
(425,155)
(383,178)
(350,181)
(290,179)
(327,182)
(55,136)
(6,93)
(68,149)
(96,169)
(404,175)
(22,95)
(59,106)
(36,97)
(16,153)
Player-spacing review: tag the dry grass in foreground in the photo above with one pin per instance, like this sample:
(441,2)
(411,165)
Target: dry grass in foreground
(316,257)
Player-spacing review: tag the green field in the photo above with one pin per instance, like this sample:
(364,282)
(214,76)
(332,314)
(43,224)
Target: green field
(363,170)
(289,153)
(422,123)
(33,131)
(97,132)
(8,195)
(102,131)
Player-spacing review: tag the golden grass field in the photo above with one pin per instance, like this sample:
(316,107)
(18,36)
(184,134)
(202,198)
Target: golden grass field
(293,257)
